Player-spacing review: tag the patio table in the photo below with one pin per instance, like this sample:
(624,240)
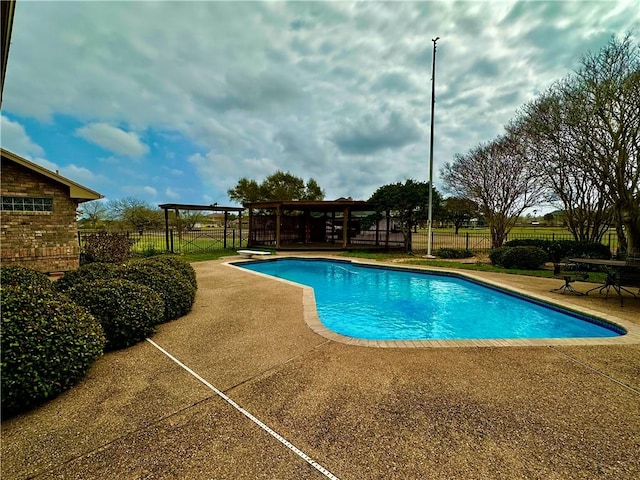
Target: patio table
(613,270)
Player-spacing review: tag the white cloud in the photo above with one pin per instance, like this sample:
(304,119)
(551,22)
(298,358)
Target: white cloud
(16,140)
(376,131)
(46,164)
(113,139)
(171,193)
(339,91)
(173,171)
(81,174)
(141,190)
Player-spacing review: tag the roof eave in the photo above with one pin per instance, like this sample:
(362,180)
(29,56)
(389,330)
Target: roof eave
(76,191)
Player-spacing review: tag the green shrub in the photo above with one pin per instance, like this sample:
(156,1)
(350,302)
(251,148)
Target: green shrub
(561,249)
(25,277)
(106,247)
(526,242)
(86,273)
(180,265)
(556,249)
(127,311)
(453,253)
(48,344)
(591,250)
(524,258)
(497,254)
(150,251)
(175,290)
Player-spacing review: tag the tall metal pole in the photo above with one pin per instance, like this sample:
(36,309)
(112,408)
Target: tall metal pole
(433,103)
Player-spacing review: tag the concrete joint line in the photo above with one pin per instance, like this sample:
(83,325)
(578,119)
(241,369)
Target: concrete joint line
(273,368)
(599,372)
(244,412)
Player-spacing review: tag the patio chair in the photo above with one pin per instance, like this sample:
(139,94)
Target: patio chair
(571,275)
(630,274)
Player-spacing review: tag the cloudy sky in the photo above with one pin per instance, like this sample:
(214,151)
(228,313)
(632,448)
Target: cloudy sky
(175,101)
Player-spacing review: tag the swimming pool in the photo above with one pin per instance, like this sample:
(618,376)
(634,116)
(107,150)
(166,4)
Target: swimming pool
(396,304)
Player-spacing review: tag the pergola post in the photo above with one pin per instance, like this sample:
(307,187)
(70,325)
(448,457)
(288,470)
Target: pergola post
(166,228)
(386,242)
(278,219)
(333,226)
(178,225)
(307,226)
(224,242)
(345,226)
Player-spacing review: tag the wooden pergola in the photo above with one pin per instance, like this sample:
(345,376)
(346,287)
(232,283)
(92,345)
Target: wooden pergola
(200,208)
(314,225)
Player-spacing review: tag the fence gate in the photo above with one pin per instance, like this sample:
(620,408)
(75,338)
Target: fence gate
(200,241)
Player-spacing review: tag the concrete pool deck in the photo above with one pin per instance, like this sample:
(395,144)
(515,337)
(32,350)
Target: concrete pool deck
(559,411)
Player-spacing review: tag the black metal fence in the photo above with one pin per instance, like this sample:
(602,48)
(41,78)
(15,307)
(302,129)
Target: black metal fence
(207,240)
(190,241)
(480,242)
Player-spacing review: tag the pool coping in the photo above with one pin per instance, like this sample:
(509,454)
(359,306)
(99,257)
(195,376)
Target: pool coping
(312,319)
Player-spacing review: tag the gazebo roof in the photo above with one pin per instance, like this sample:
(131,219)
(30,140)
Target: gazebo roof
(202,208)
(318,205)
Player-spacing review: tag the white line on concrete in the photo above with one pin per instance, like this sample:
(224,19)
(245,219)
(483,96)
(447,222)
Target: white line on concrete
(262,425)
(599,372)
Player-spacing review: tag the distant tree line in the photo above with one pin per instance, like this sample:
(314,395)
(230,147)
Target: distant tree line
(131,213)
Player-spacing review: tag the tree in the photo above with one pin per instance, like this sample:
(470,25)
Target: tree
(500,178)
(408,201)
(584,133)
(551,126)
(185,220)
(246,191)
(608,87)
(459,210)
(279,186)
(136,213)
(93,213)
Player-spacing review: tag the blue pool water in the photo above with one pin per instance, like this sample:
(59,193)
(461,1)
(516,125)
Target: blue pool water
(389,304)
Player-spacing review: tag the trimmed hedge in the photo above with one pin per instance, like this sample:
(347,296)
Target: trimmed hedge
(127,311)
(453,253)
(559,249)
(87,273)
(591,250)
(48,344)
(497,254)
(175,290)
(522,258)
(180,265)
(24,277)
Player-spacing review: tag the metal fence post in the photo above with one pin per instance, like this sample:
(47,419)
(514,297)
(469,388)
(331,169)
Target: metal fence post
(171,231)
(467,242)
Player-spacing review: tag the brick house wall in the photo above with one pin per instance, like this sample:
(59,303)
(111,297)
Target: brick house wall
(42,240)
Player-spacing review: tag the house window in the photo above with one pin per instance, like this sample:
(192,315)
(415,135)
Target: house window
(27,204)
